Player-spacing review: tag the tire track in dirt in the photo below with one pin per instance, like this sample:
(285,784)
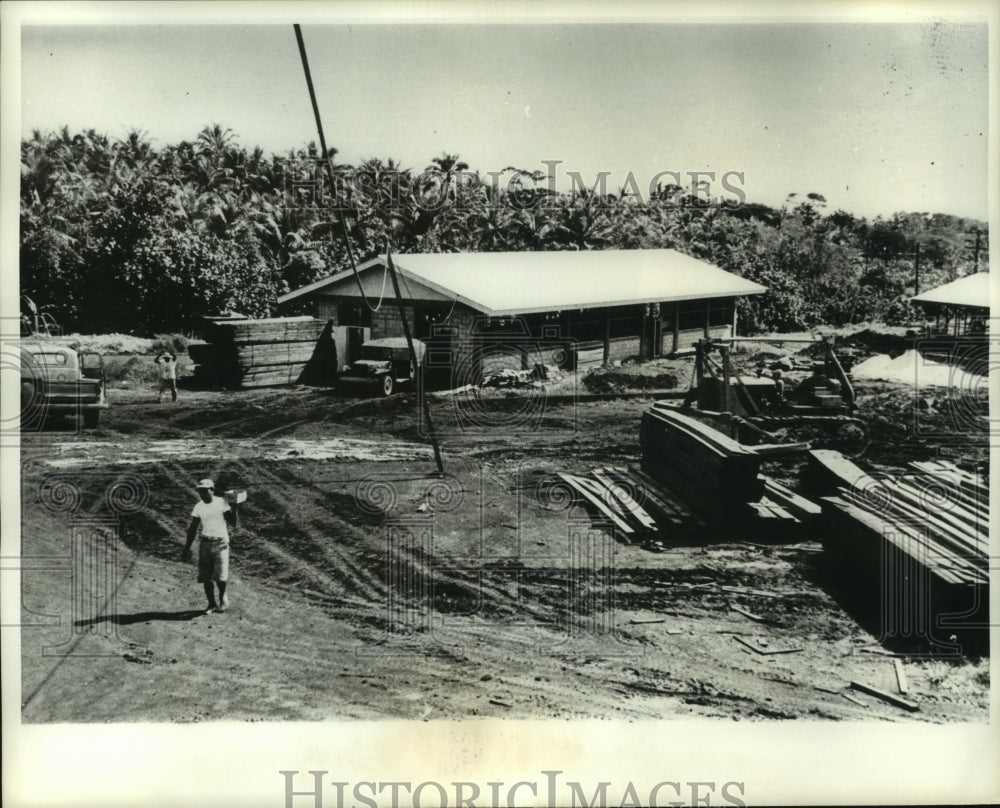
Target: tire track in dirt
(288,427)
(303,571)
(355,581)
(369,581)
(138,538)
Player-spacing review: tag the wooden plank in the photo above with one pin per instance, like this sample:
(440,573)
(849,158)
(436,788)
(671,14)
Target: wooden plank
(970,485)
(661,495)
(901,683)
(696,429)
(841,472)
(778,511)
(940,559)
(275,353)
(622,495)
(765,651)
(601,492)
(574,482)
(768,449)
(942,564)
(835,470)
(789,499)
(762,511)
(656,498)
(737,591)
(274,329)
(696,468)
(910,507)
(917,500)
(889,697)
(969,504)
(962,515)
(755,617)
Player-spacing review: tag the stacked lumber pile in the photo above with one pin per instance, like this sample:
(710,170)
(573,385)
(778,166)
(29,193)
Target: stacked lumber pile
(632,501)
(936,515)
(261,353)
(710,471)
(782,512)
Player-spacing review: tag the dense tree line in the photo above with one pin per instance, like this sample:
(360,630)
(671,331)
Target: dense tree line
(117,235)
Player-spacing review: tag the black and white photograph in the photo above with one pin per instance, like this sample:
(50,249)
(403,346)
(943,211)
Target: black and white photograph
(475,405)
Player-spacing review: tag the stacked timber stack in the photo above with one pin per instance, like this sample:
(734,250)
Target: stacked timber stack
(711,472)
(932,521)
(262,353)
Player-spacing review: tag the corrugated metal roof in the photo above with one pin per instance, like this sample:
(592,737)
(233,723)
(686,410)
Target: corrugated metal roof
(972,291)
(524,282)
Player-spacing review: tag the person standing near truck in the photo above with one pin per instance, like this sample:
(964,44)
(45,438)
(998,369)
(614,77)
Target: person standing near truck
(213,516)
(167,362)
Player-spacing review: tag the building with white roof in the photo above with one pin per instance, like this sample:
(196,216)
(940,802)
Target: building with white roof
(964,304)
(572,308)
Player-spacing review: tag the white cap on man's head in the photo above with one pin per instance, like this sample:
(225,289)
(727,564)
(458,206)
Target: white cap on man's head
(206,483)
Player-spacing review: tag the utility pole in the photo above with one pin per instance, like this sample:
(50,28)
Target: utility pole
(324,153)
(417,375)
(975,250)
(916,272)
(350,251)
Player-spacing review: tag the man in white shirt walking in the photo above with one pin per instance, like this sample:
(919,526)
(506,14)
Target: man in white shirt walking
(214,516)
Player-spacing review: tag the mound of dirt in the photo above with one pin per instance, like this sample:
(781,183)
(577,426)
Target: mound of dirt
(912,368)
(616,381)
(113,343)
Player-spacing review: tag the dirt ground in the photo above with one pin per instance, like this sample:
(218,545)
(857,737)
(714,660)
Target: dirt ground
(365,587)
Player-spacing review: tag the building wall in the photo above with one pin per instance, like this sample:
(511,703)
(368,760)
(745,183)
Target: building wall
(622,348)
(386,322)
(465,368)
(591,354)
(687,338)
(325,308)
(467,349)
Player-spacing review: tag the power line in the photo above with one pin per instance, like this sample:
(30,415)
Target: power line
(325,155)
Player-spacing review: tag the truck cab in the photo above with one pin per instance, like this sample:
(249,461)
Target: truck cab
(384,364)
(58,379)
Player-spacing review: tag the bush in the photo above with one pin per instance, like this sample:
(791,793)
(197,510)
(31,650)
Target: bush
(169,343)
(112,343)
(130,369)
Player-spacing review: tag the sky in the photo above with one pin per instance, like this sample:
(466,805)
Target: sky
(877,118)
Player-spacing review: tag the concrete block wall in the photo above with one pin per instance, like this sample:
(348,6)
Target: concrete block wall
(687,339)
(623,348)
(326,308)
(465,368)
(386,322)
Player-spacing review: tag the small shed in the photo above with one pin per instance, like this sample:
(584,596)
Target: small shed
(963,304)
(568,308)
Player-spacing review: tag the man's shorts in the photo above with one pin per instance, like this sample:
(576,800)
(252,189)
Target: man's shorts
(213,559)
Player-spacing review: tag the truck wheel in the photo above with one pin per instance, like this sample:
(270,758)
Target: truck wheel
(32,409)
(91,418)
(27,395)
(388,383)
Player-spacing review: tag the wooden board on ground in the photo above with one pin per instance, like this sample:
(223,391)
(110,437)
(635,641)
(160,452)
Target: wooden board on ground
(587,494)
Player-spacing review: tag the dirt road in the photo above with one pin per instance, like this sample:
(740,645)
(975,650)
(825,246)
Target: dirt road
(365,587)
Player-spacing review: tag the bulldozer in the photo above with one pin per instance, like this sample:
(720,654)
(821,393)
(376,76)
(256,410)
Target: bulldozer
(766,408)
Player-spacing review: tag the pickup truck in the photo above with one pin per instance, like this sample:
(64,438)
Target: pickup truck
(58,379)
(384,364)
